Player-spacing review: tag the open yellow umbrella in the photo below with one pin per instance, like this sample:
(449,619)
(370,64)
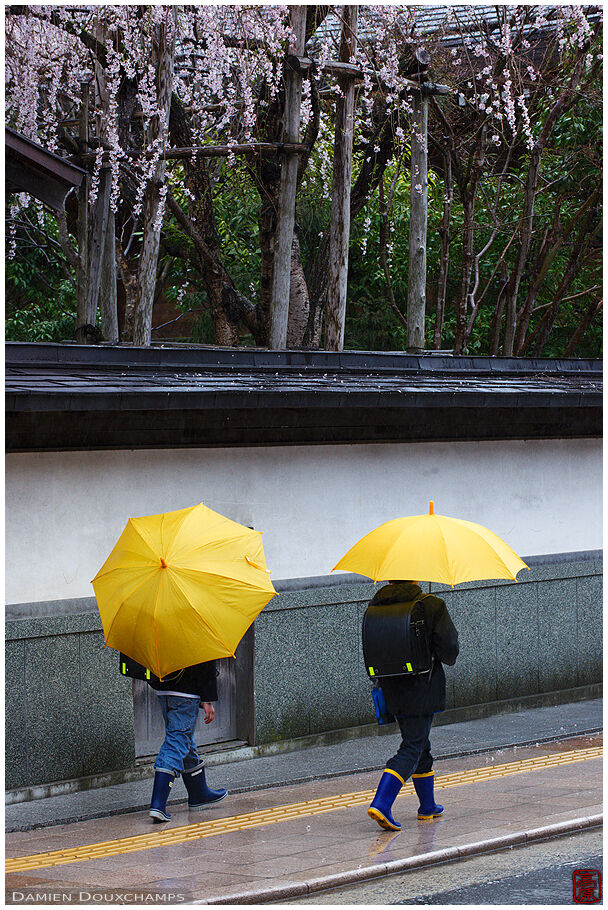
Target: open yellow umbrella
(432,548)
(181,588)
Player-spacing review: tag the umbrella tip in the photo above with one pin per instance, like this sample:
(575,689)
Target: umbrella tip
(431,507)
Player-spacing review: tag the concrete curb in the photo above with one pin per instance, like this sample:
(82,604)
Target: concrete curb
(289,890)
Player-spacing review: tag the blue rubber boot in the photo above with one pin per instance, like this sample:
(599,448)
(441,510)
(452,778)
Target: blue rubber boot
(424,785)
(380,809)
(199,794)
(163,781)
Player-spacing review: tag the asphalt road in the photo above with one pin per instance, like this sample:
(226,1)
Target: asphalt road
(538,874)
(549,885)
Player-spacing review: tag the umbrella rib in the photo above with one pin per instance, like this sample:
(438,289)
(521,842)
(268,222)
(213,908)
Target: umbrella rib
(226,538)
(182,523)
(500,559)
(141,537)
(153,564)
(445,548)
(393,546)
(155,635)
(249,584)
(202,619)
(493,552)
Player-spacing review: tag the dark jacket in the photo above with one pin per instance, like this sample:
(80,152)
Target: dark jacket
(408,696)
(200,679)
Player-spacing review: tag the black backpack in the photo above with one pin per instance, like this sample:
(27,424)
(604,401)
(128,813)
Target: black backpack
(130,667)
(396,641)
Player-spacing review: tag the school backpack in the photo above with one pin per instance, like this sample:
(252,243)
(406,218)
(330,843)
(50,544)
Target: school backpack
(395,640)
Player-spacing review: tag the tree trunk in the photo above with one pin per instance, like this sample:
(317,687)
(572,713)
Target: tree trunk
(444,256)
(108,298)
(299,303)
(268,180)
(545,326)
(497,320)
(227,306)
(419,186)
(548,253)
(588,318)
(98,229)
(525,239)
(468,212)
(564,102)
(376,155)
(129,283)
(148,257)
(85,319)
(266,175)
(279,309)
(339,226)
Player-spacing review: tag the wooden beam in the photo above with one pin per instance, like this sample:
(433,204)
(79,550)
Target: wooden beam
(299,64)
(281,277)
(214,151)
(434,88)
(343,69)
(416,295)
(339,229)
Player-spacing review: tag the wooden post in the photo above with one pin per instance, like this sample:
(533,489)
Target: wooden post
(108,291)
(339,228)
(83,315)
(279,304)
(416,295)
(148,257)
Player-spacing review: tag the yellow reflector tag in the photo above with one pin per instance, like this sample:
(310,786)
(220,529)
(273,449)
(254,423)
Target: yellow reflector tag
(409,666)
(124,669)
(371,671)
(147,674)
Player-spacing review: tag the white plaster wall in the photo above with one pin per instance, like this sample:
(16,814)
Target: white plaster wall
(64,511)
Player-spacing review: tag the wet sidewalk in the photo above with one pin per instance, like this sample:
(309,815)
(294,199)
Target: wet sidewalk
(276,842)
(368,753)
(285,842)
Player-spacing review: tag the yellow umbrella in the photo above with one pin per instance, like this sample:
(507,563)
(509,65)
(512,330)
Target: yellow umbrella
(181,588)
(432,548)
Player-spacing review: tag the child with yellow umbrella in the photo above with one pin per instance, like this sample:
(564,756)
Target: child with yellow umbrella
(434,548)
(178,590)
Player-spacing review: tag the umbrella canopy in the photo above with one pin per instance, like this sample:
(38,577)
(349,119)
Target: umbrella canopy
(432,548)
(181,588)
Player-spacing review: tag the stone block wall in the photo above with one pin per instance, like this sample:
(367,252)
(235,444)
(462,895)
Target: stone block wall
(543,634)
(69,714)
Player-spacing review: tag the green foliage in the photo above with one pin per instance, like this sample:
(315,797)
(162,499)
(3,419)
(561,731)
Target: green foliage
(236,213)
(40,302)
(236,205)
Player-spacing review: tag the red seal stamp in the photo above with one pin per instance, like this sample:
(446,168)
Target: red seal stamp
(587,886)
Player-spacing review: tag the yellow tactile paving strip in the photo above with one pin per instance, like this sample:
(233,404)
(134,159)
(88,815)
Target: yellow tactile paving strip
(277,814)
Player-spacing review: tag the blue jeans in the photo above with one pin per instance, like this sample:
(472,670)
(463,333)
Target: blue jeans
(178,752)
(414,753)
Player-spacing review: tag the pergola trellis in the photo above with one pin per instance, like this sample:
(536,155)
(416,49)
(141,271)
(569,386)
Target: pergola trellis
(295,69)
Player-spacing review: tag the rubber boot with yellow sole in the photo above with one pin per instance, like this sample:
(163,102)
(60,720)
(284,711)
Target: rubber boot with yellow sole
(380,809)
(424,785)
